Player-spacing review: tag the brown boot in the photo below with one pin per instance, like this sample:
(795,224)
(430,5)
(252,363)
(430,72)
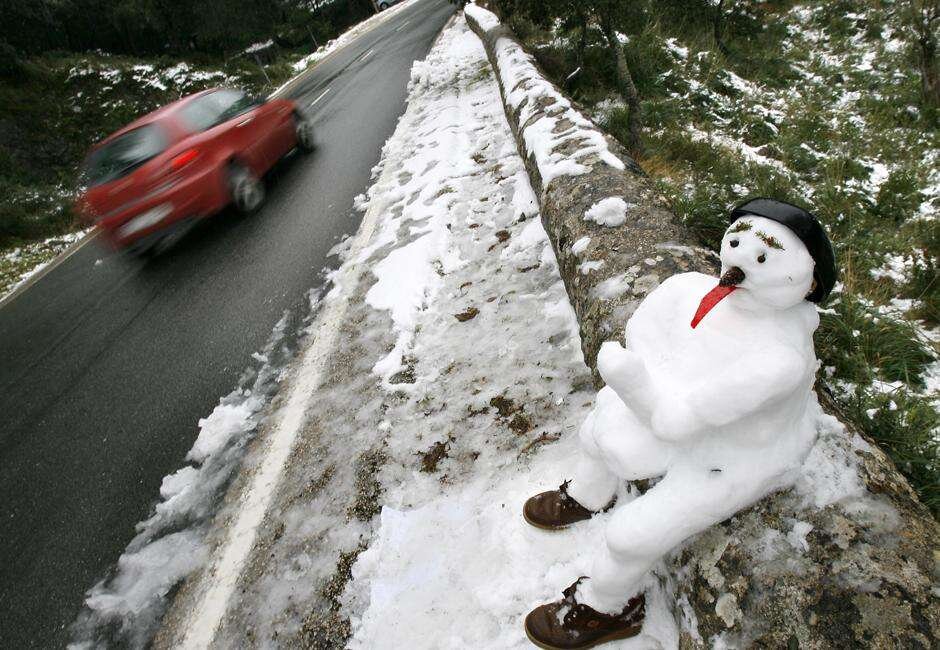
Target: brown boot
(568,625)
(554,509)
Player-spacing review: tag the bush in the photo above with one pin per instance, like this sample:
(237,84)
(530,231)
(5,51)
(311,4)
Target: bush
(40,213)
(863,345)
(905,426)
(899,196)
(12,67)
(923,284)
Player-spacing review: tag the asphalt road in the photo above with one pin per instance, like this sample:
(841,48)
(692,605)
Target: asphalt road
(106,368)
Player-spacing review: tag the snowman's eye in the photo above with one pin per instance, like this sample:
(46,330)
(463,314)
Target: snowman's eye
(734,243)
(761,258)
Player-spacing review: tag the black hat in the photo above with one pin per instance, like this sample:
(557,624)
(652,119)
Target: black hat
(804,225)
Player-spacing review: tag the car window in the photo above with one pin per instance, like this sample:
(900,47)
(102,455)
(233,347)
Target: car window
(123,155)
(219,106)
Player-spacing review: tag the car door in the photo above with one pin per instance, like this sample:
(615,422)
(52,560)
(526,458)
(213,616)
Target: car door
(244,127)
(263,122)
(225,119)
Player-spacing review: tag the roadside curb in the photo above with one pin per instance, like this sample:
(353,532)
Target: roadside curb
(813,596)
(53,263)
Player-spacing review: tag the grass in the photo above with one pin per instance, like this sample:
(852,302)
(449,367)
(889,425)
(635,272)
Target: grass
(822,108)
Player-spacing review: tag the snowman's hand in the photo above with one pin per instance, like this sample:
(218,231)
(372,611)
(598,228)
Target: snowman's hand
(625,372)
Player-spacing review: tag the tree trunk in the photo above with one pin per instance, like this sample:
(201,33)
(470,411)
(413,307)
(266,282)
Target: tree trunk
(718,27)
(579,52)
(929,73)
(582,42)
(627,90)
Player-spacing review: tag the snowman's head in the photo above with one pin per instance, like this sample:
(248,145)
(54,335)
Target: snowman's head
(767,263)
(777,254)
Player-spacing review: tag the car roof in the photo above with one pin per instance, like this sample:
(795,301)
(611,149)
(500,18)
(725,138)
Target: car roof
(158,115)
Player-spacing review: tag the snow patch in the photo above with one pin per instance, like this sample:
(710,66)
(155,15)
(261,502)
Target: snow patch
(611,211)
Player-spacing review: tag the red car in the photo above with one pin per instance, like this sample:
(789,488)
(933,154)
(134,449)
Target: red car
(186,160)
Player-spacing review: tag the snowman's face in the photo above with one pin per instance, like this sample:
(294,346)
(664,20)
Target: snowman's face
(778,270)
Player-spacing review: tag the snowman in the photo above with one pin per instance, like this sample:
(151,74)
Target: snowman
(712,395)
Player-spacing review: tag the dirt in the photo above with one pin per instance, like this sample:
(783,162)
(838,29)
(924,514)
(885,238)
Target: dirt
(326,629)
(470,313)
(433,456)
(520,424)
(368,488)
(504,406)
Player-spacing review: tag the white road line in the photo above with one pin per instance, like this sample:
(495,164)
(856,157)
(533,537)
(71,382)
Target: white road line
(205,618)
(367,54)
(366,26)
(318,98)
(400,27)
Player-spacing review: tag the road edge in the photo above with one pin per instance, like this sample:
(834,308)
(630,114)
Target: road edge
(209,591)
(49,267)
(381,18)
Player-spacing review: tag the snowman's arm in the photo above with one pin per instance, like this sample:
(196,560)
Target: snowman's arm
(626,374)
(733,393)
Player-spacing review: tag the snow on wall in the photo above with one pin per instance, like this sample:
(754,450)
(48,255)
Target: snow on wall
(611,211)
(561,124)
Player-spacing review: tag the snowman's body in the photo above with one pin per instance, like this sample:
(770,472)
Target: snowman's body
(723,412)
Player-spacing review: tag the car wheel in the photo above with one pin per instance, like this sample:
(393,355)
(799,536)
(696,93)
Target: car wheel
(383,6)
(247,189)
(303,129)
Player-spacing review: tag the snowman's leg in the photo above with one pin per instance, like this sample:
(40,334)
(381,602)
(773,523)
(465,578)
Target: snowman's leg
(593,484)
(641,532)
(615,446)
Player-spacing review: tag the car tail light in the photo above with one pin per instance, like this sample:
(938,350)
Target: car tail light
(183,159)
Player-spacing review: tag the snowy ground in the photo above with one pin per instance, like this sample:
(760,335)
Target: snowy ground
(451,563)
(452,391)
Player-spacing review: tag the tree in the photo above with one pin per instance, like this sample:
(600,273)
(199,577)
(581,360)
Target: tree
(610,16)
(609,13)
(718,24)
(921,20)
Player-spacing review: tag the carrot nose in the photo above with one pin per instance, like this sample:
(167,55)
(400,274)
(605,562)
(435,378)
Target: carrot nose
(728,283)
(732,277)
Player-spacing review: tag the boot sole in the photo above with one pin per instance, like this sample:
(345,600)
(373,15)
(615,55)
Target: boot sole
(546,526)
(613,636)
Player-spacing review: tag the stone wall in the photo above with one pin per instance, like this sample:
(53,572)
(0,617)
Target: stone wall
(846,559)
